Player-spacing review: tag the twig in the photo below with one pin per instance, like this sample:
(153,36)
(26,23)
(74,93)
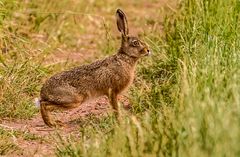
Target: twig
(5,126)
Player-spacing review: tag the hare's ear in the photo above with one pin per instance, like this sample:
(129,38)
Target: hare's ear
(122,23)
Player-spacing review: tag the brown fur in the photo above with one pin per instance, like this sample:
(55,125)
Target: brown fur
(109,77)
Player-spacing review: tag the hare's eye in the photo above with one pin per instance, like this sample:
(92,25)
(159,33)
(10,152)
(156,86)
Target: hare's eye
(135,43)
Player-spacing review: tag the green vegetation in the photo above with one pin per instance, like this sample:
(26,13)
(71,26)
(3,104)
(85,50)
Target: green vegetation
(8,140)
(186,97)
(6,145)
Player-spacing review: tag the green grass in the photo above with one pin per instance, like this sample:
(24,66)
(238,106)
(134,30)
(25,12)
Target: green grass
(186,97)
(9,140)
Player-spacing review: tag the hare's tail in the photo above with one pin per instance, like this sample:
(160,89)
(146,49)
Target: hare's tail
(37,102)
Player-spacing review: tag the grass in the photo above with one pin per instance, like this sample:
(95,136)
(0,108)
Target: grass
(8,140)
(186,97)
(6,144)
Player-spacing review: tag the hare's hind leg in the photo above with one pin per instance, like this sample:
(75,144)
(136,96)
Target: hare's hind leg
(45,108)
(63,97)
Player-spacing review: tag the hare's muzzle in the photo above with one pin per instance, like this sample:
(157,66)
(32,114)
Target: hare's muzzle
(148,52)
(145,51)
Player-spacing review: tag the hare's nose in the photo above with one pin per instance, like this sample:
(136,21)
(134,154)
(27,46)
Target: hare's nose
(149,52)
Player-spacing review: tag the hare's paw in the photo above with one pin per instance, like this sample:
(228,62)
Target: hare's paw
(55,124)
(59,123)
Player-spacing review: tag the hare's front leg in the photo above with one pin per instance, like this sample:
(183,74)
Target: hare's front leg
(112,96)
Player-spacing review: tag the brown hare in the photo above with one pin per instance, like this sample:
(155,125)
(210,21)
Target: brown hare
(69,89)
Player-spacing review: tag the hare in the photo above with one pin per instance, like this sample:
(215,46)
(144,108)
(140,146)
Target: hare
(110,76)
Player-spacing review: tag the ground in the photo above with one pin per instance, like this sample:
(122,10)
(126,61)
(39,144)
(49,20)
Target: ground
(45,136)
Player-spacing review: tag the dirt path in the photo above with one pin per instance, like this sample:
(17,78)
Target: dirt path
(38,138)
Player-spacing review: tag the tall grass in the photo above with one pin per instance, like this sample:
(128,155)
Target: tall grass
(209,33)
(186,99)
